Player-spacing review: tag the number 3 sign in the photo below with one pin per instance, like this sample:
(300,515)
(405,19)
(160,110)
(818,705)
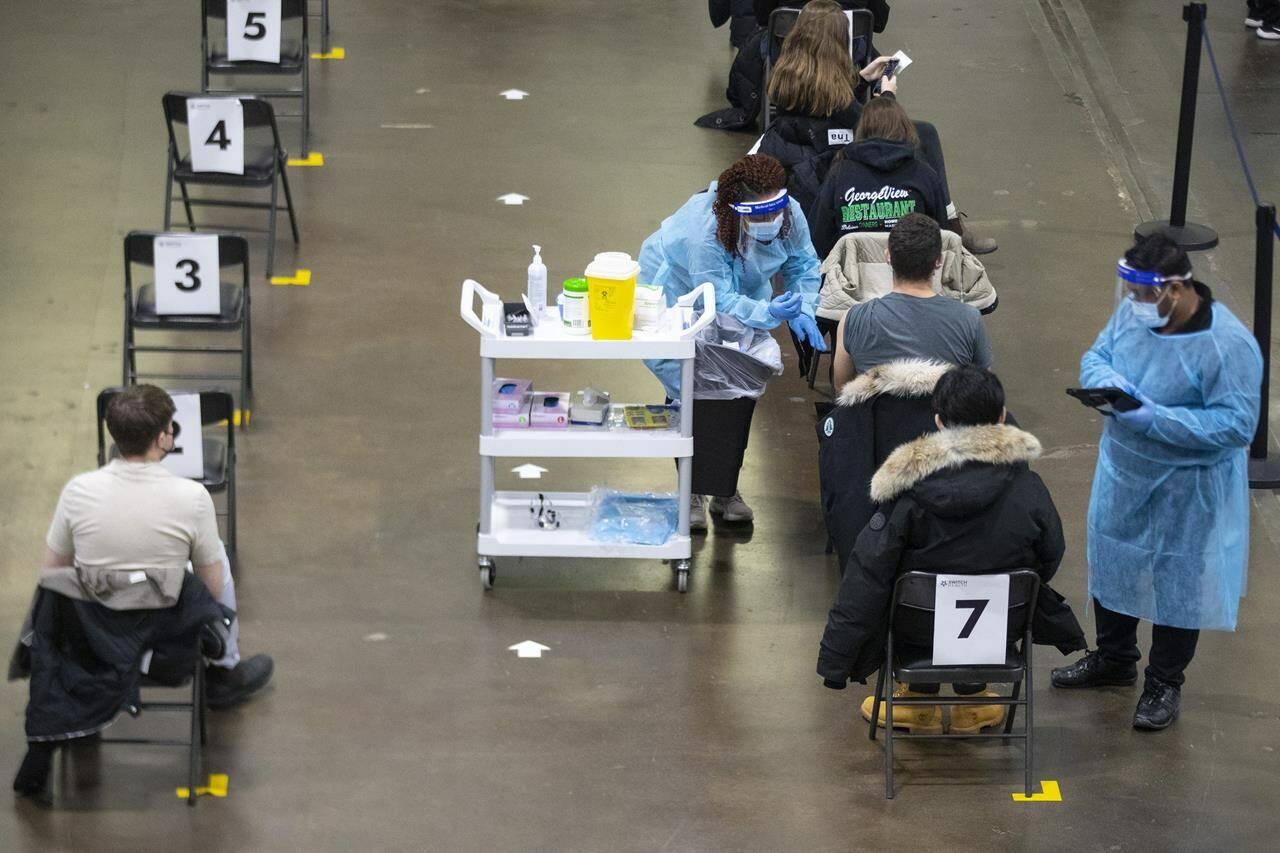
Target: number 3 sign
(253,31)
(215,132)
(186,268)
(970,619)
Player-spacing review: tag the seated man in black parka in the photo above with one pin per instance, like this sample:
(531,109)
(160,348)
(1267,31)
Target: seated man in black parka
(959,501)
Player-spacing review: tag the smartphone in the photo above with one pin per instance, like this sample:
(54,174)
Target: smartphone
(1108,400)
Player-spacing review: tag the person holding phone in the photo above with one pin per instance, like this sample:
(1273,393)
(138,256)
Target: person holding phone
(1168,524)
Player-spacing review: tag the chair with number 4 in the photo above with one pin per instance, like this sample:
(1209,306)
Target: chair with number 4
(230,143)
(188,292)
(258,38)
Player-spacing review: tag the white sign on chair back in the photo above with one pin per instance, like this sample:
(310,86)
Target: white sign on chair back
(187,457)
(970,619)
(186,269)
(215,133)
(253,31)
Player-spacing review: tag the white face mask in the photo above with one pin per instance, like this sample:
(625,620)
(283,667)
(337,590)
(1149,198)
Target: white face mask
(765,231)
(1148,314)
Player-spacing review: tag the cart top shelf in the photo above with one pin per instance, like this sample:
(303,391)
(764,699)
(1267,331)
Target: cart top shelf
(550,341)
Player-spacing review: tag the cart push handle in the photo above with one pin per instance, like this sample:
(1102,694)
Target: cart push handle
(707,293)
(470,289)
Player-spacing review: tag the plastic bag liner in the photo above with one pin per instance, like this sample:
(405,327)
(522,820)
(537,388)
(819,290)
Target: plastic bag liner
(632,518)
(734,360)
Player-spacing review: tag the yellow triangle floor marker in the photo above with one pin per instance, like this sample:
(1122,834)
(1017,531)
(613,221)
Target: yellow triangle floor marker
(334,53)
(300,277)
(217,787)
(315,158)
(1049,793)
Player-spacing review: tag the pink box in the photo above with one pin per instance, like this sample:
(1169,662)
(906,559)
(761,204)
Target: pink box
(549,410)
(511,395)
(508,419)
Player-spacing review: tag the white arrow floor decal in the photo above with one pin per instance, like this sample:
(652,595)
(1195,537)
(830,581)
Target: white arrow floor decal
(529,471)
(529,649)
(514,95)
(513,198)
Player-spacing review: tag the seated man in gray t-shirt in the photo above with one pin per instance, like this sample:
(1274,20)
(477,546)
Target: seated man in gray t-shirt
(912,321)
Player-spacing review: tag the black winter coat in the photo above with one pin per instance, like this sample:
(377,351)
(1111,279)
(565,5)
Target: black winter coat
(882,408)
(792,138)
(746,87)
(741,17)
(870,186)
(879,8)
(959,501)
(84,660)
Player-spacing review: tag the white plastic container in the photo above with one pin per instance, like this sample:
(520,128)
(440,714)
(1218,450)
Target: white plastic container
(651,303)
(574,307)
(537,282)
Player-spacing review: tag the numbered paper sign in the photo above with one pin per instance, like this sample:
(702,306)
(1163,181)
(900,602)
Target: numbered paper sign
(215,130)
(187,457)
(970,619)
(253,31)
(186,274)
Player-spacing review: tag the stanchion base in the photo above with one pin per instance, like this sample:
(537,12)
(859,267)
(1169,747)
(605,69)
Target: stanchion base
(1190,237)
(1264,473)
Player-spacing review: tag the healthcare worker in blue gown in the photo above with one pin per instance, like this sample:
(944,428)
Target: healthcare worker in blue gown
(737,234)
(1168,529)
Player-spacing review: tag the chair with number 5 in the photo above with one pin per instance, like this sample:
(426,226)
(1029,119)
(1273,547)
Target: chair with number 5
(260,39)
(198,283)
(231,143)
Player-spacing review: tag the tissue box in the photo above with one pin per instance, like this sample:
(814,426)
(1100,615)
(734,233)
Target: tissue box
(549,409)
(507,419)
(511,395)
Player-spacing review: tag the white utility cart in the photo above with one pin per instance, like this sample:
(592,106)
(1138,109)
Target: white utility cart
(507,528)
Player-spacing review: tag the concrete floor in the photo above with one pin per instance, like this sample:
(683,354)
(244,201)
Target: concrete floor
(398,720)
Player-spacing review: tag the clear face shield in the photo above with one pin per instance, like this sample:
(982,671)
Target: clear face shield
(761,224)
(1145,294)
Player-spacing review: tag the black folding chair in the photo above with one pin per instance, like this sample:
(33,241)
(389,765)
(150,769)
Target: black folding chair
(217,409)
(140,313)
(911,627)
(294,56)
(264,161)
(783,20)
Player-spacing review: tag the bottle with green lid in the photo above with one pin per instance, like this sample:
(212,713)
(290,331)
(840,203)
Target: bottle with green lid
(573,307)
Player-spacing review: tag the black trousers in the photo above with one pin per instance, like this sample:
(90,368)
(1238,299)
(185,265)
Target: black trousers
(1171,648)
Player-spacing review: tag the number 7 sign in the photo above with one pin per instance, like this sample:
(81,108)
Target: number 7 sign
(970,619)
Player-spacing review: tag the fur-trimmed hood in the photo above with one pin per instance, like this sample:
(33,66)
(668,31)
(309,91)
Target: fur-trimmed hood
(908,465)
(906,377)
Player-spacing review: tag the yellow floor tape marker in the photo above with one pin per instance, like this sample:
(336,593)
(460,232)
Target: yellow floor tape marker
(334,53)
(236,417)
(300,277)
(1049,793)
(315,158)
(217,787)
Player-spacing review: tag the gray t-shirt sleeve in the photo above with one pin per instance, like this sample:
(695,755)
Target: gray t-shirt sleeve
(981,344)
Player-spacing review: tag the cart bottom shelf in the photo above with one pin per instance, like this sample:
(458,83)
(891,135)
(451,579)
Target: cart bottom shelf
(514,532)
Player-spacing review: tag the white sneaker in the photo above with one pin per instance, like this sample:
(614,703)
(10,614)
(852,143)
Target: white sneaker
(1252,23)
(697,514)
(1270,32)
(732,509)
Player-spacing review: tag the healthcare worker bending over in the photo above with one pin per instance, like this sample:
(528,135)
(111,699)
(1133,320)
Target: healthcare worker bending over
(737,234)
(1168,529)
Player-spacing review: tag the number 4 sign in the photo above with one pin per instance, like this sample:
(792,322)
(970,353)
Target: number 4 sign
(186,267)
(253,31)
(215,130)
(970,619)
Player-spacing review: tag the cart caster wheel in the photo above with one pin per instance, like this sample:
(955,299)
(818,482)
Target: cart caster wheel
(488,574)
(682,580)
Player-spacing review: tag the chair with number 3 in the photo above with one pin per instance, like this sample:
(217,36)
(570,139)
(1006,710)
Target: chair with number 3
(258,38)
(188,293)
(912,617)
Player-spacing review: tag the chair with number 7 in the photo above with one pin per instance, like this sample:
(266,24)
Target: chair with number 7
(261,164)
(907,656)
(147,310)
(258,38)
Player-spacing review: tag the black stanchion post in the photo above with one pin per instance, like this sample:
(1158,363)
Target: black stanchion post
(1188,235)
(1264,473)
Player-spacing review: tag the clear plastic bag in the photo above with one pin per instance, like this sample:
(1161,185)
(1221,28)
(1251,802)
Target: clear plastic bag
(633,518)
(734,360)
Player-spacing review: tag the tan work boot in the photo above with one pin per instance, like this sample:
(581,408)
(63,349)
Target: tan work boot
(697,514)
(971,719)
(732,509)
(917,719)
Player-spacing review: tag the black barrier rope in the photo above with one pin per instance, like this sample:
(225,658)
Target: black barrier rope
(1231,125)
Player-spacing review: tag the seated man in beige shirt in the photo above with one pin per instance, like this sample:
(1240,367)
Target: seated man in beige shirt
(132,514)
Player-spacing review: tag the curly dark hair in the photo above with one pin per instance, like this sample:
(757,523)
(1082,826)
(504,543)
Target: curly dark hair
(753,175)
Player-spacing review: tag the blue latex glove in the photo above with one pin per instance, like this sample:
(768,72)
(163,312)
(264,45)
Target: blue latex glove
(1139,419)
(787,306)
(806,329)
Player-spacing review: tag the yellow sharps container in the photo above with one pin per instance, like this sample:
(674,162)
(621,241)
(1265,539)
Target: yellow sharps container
(611,295)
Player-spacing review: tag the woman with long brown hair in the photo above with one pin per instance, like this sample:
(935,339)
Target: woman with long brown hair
(737,234)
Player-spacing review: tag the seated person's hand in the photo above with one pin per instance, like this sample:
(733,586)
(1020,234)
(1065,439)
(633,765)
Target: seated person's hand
(889,84)
(874,69)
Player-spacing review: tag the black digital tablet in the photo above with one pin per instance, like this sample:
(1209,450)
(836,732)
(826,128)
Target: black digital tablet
(1106,400)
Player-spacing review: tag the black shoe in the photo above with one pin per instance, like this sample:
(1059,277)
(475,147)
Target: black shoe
(226,688)
(1269,31)
(1158,707)
(33,776)
(1092,671)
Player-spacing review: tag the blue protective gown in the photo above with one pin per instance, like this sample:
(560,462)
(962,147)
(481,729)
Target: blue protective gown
(684,252)
(1168,530)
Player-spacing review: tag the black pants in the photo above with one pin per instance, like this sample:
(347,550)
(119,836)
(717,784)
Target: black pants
(720,432)
(1267,10)
(1171,648)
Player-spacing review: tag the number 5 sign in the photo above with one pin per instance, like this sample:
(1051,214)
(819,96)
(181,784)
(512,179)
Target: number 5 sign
(970,619)
(215,132)
(253,31)
(186,267)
